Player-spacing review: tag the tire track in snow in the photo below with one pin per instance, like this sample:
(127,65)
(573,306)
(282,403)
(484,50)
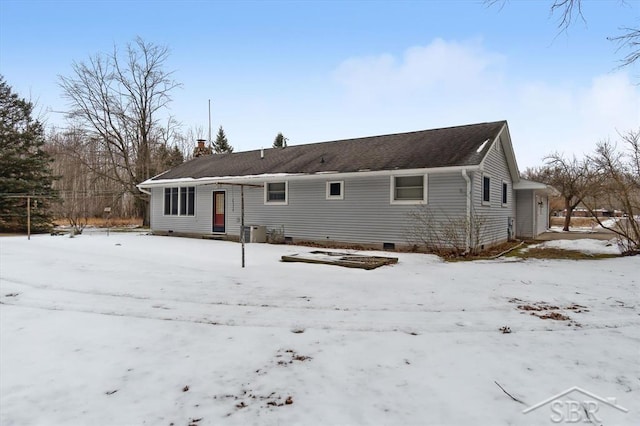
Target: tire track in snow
(285,317)
(259,304)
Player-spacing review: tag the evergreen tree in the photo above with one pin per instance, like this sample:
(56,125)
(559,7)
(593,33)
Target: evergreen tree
(24,165)
(221,144)
(280,141)
(167,158)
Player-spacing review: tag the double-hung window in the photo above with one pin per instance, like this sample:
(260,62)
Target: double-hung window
(275,193)
(486,189)
(505,193)
(180,201)
(409,189)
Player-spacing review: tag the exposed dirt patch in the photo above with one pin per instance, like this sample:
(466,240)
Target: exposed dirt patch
(544,310)
(554,316)
(289,356)
(539,307)
(576,308)
(248,398)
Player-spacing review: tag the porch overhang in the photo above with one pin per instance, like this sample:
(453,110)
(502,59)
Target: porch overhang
(525,184)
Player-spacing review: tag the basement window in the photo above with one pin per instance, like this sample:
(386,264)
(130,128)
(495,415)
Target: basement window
(180,201)
(335,190)
(276,193)
(409,189)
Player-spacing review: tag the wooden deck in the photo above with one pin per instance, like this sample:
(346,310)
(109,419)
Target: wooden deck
(347,260)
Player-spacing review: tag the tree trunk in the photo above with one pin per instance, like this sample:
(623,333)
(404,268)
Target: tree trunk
(146,218)
(569,211)
(143,210)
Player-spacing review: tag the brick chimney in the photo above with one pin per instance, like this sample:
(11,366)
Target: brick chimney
(201,149)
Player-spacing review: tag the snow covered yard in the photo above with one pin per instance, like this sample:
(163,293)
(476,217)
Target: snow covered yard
(138,329)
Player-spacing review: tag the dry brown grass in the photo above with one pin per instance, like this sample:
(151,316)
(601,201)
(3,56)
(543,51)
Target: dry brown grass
(488,253)
(578,222)
(556,253)
(100,222)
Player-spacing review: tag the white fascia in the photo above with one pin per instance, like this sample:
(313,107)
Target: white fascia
(270,177)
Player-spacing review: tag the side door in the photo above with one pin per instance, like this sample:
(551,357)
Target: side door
(219,206)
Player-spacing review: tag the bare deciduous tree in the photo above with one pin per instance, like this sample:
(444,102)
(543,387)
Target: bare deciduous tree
(84,182)
(118,100)
(619,171)
(572,178)
(570,10)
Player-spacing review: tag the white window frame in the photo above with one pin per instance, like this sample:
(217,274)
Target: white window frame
(328,190)
(504,191)
(179,188)
(425,186)
(278,202)
(485,202)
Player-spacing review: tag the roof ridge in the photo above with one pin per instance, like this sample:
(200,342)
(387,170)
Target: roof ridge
(375,136)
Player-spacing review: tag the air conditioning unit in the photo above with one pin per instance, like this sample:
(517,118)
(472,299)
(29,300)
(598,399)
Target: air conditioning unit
(255,234)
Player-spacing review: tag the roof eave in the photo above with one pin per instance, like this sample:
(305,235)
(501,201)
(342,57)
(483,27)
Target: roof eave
(151,183)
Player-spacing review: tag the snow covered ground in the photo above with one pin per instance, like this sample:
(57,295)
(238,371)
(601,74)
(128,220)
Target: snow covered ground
(136,329)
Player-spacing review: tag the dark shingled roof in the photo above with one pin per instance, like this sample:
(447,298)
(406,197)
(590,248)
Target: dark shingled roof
(451,146)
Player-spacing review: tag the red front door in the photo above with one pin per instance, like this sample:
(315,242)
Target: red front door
(218,211)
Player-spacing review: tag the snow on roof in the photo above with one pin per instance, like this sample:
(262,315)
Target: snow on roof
(529,184)
(211,180)
(481,147)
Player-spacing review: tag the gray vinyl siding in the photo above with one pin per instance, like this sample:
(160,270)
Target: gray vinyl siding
(542,213)
(365,215)
(524,223)
(494,217)
(199,223)
(532,217)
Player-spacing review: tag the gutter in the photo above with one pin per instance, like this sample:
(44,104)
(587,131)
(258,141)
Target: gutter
(270,177)
(468,236)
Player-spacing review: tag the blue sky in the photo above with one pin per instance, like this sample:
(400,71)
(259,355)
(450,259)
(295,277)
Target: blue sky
(329,70)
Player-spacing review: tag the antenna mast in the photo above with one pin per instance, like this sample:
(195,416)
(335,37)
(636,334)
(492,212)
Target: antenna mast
(209,121)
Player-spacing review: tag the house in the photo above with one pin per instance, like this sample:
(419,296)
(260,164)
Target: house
(373,191)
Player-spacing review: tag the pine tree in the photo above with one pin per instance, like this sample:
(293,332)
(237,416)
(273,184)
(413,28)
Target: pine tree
(165,158)
(24,165)
(221,144)
(280,141)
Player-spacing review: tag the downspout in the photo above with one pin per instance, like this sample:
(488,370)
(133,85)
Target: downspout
(468,236)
